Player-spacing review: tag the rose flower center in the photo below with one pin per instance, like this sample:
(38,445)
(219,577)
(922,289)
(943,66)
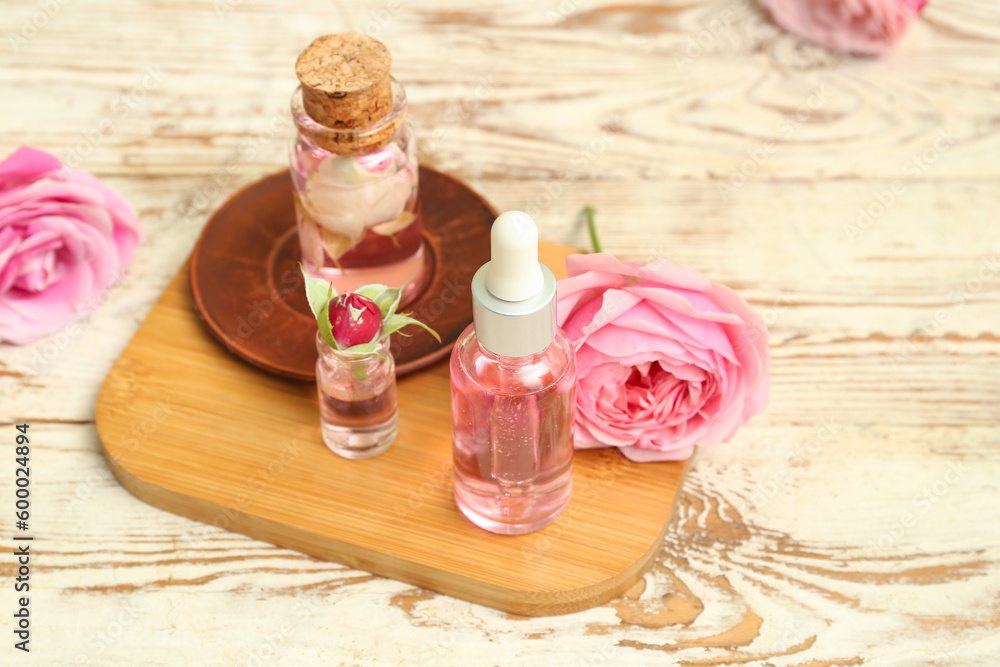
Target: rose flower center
(661,392)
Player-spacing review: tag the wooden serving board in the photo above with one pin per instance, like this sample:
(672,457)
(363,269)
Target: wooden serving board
(189,428)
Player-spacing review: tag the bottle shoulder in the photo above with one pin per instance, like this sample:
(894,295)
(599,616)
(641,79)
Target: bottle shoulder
(506,375)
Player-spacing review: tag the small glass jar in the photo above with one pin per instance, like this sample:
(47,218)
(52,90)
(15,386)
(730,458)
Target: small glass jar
(357,400)
(356,200)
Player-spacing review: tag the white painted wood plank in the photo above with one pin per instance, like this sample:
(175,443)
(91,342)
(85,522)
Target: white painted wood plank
(832,530)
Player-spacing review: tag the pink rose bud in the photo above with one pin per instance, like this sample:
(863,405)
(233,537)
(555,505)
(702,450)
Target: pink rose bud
(355,320)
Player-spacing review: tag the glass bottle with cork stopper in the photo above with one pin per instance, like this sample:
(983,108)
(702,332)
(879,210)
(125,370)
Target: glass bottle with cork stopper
(354,168)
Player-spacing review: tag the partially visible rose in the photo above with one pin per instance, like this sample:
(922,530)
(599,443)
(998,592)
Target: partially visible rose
(866,27)
(64,238)
(354,319)
(346,196)
(666,359)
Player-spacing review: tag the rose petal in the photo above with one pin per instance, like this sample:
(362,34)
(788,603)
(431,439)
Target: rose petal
(867,27)
(643,455)
(24,165)
(660,270)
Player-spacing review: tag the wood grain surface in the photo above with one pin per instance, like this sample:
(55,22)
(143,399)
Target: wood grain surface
(267,474)
(854,522)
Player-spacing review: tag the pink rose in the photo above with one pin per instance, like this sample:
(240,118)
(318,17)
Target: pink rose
(666,358)
(64,238)
(868,27)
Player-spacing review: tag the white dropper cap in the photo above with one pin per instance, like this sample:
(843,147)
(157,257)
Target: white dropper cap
(514,273)
(513,295)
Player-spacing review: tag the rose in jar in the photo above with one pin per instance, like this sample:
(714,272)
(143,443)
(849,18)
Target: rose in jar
(346,196)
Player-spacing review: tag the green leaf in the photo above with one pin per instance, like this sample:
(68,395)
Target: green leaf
(386,298)
(371,291)
(388,301)
(361,349)
(335,244)
(398,321)
(404,220)
(318,292)
(325,330)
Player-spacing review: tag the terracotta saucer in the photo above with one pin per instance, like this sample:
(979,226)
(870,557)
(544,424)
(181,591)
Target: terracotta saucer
(248,290)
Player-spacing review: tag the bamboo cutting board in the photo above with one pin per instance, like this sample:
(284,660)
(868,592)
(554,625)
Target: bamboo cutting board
(191,429)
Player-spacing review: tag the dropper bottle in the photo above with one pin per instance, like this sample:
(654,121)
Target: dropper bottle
(513,387)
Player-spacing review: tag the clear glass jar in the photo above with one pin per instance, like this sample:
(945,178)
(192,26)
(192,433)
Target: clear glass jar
(357,400)
(357,209)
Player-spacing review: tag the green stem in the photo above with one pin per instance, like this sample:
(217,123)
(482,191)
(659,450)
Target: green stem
(592,226)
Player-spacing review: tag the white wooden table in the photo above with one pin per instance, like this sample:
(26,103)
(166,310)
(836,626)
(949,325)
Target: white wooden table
(855,522)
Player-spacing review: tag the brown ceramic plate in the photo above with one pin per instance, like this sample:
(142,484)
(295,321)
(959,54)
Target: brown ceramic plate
(248,290)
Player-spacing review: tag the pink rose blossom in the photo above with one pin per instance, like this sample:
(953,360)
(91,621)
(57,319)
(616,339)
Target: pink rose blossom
(64,238)
(666,358)
(867,27)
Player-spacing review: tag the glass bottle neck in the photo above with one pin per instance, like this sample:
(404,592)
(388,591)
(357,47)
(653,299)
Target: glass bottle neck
(511,362)
(351,141)
(327,352)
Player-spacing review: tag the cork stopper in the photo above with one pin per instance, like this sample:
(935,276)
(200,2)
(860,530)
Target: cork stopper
(346,86)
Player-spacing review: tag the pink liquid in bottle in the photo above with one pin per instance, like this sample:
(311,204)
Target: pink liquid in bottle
(513,434)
